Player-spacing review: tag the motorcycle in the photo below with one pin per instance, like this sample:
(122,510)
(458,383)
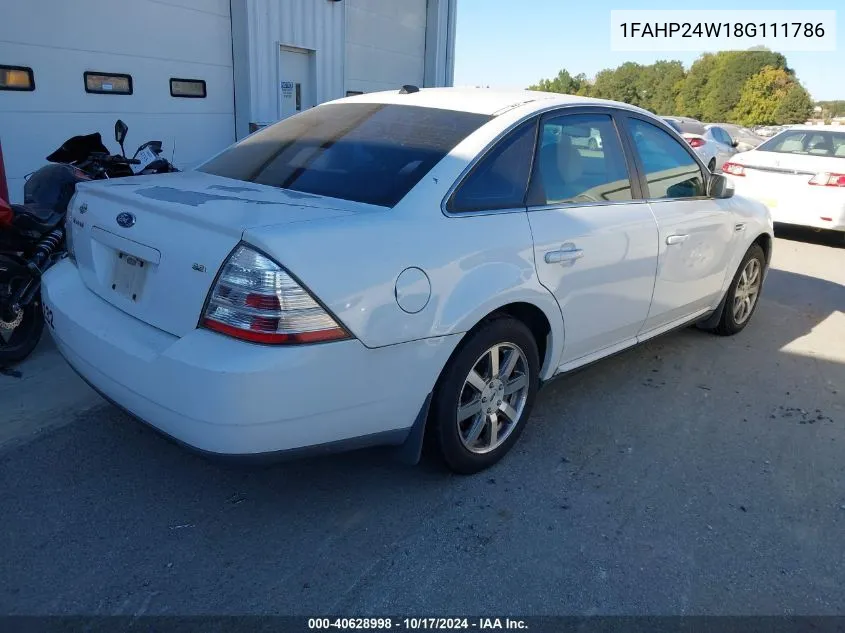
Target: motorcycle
(32,235)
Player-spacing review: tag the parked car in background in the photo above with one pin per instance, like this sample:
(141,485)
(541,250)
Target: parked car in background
(397,265)
(713,148)
(744,138)
(768,131)
(591,142)
(799,174)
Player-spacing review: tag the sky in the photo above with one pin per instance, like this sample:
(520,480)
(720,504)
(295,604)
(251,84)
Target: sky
(514,43)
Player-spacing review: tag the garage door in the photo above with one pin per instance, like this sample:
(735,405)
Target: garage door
(145,43)
(385,44)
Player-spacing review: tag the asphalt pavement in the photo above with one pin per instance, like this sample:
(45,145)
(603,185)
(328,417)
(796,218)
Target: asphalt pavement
(692,475)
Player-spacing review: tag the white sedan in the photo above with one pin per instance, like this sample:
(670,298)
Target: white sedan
(395,265)
(799,174)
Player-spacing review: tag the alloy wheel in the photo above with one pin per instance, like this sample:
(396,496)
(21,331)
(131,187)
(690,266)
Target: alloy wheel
(747,291)
(492,398)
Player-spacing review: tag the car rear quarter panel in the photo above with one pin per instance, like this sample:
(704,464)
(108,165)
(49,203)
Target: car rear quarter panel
(475,265)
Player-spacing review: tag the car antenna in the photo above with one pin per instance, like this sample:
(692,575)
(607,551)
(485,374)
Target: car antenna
(408,89)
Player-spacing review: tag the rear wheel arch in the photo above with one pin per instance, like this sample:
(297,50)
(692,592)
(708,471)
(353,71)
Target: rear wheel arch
(764,240)
(535,318)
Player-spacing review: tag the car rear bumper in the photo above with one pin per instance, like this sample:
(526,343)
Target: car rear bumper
(227,397)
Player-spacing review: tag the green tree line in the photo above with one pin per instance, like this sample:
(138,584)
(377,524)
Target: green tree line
(753,87)
(832,109)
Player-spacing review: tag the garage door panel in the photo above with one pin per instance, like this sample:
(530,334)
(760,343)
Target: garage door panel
(150,40)
(218,7)
(60,85)
(385,44)
(392,35)
(136,28)
(396,68)
(394,9)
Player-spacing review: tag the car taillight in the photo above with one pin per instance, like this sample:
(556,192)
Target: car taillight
(695,142)
(734,169)
(825,179)
(256,300)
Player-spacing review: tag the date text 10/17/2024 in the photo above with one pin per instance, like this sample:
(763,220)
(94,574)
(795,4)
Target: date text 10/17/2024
(434,624)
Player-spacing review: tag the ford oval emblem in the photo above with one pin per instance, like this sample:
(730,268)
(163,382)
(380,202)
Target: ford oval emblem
(125,219)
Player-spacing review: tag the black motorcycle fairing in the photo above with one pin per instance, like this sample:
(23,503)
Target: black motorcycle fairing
(38,219)
(158,166)
(79,148)
(52,186)
(153,145)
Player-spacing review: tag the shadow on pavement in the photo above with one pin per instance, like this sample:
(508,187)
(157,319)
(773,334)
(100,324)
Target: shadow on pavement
(835,239)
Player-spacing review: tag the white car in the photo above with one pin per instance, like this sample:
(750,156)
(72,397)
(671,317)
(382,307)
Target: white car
(397,264)
(712,144)
(799,174)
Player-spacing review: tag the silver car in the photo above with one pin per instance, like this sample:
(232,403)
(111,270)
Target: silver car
(744,138)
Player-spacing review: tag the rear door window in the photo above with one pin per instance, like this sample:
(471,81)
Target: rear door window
(500,179)
(580,160)
(364,152)
(720,135)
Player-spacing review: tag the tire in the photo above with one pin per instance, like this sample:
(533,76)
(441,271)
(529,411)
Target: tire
(729,323)
(712,165)
(468,445)
(24,337)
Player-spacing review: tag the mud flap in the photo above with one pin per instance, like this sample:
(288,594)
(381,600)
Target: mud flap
(712,321)
(410,450)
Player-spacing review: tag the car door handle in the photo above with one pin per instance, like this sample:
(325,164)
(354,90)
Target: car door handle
(563,255)
(676,239)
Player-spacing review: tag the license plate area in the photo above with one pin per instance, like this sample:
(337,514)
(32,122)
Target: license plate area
(130,272)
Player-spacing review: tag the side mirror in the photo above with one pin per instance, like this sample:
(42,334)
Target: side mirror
(719,187)
(120,130)
(734,143)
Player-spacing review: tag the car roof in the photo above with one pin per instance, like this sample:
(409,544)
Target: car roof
(483,100)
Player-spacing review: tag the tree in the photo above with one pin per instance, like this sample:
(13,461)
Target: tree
(795,106)
(659,86)
(728,76)
(695,86)
(754,86)
(761,95)
(619,84)
(832,108)
(564,83)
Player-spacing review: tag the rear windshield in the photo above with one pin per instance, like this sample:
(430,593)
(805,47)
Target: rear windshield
(807,142)
(364,152)
(687,127)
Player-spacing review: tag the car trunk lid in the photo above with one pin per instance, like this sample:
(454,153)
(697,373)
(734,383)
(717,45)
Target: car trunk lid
(152,245)
(770,165)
